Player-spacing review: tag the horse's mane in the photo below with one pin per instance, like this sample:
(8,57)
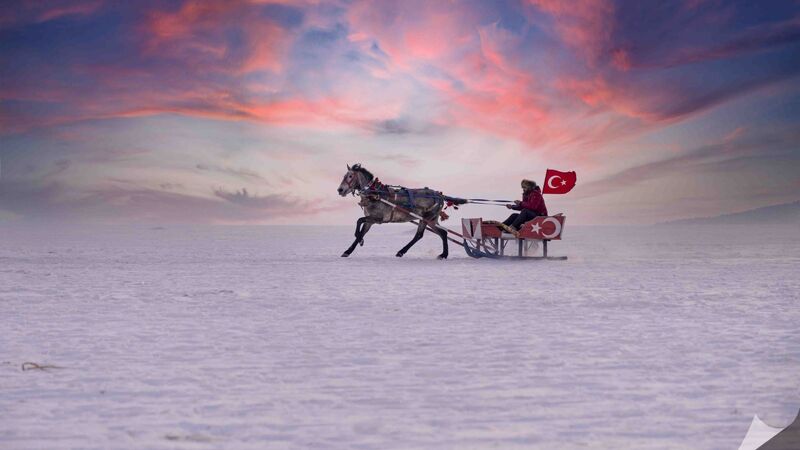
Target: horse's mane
(366,172)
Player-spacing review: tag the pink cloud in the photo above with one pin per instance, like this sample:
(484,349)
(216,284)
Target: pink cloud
(470,71)
(38,12)
(481,77)
(413,32)
(481,87)
(69,8)
(584,25)
(195,35)
(478,77)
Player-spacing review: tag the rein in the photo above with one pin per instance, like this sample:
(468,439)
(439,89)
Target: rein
(377,188)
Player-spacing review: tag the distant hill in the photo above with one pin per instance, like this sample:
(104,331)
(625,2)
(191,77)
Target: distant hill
(785,214)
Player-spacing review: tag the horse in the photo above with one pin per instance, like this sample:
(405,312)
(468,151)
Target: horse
(425,202)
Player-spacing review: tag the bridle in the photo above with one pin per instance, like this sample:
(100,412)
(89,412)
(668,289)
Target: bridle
(353,181)
(355,184)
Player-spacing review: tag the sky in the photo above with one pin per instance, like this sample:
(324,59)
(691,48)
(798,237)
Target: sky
(248,111)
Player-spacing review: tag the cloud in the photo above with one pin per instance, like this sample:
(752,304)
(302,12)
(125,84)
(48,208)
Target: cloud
(58,201)
(657,64)
(413,82)
(392,126)
(20,12)
(645,101)
(171,186)
(237,173)
(755,39)
(69,8)
(266,202)
(412,32)
(227,36)
(570,74)
(402,160)
(586,26)
(649,38)
(732,149)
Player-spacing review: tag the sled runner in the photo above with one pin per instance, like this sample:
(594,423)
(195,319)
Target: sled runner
(489,239)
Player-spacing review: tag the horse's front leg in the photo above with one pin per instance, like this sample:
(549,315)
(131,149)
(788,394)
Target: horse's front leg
(417,237)
(360,229)
(362,226)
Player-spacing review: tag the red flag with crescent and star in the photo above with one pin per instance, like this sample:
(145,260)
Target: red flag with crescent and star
(556,182)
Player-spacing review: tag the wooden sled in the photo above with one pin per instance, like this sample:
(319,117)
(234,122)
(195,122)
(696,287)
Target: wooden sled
(488,239)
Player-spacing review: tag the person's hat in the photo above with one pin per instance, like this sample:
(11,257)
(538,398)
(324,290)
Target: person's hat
(528,183)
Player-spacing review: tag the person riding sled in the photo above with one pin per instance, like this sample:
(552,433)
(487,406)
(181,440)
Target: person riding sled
(531,205)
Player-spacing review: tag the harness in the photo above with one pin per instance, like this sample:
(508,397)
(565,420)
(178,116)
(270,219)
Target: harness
(376,190)
(410,194)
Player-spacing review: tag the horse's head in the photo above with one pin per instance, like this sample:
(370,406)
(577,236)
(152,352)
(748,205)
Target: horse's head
(355,179)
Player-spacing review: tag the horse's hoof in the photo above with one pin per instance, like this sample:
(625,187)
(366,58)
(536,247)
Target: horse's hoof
(399,254)
(345,255)
(441,257)
(361,243)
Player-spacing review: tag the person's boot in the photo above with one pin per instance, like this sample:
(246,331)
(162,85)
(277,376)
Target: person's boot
(510,229)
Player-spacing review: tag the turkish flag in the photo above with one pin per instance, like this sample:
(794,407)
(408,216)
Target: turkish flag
(556,182)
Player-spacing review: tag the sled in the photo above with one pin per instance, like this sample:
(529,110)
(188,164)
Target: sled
(488,239)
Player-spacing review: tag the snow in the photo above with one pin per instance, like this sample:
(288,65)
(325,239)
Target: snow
(263,337)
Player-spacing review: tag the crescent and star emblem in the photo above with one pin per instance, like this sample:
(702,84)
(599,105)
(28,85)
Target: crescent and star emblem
(550,181)
(556,224)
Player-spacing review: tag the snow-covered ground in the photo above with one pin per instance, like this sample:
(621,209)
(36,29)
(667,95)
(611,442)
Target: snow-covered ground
(263,337)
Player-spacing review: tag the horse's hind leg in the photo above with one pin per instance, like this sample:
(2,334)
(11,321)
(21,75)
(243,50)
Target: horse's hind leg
(362,226)
(418,236)
(443,235)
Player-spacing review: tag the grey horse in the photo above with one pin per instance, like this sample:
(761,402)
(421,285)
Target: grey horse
(424,202)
